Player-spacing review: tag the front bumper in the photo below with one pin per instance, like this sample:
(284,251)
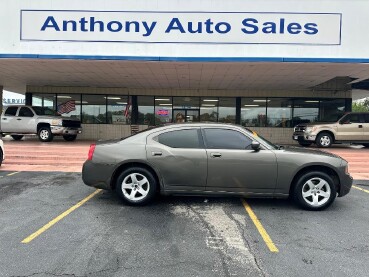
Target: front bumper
(302,137)
(58,130)
(346,184)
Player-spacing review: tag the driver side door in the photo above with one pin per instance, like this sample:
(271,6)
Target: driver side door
(234,167)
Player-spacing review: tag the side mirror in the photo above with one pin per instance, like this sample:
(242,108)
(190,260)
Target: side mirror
(255,145)
(345,122)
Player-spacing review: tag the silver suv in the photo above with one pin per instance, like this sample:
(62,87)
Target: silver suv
(350,128)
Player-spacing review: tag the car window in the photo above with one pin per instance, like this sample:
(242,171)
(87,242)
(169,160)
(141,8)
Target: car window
(11,111)
(366,118)
(26,112)
(181,139)
(226,139)
(351,118)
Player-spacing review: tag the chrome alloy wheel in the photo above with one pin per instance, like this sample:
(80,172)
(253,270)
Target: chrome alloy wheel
(44,134)
(135,187)
(316,192)
(325,141)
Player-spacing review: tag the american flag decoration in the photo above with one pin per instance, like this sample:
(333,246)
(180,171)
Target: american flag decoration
(66,107)
(126,111)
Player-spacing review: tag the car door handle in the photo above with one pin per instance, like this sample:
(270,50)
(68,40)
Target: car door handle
(19,118)
(360,126)
(215,155)
(156,153)
(4,118)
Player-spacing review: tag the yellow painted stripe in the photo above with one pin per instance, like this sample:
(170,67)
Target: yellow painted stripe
(59,217)
(268,241)
(10,174)
(364,190)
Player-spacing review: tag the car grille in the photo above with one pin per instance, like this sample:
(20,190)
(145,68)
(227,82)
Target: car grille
(300,128)
(71,123)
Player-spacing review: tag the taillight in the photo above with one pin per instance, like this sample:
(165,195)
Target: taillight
(91,152)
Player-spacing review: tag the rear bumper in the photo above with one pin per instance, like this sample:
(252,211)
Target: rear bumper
(58,130)
(97,175)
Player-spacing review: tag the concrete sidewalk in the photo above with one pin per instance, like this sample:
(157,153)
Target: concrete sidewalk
(30,154)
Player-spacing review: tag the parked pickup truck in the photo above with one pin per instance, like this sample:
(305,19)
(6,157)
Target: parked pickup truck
(350,128)
(18,121)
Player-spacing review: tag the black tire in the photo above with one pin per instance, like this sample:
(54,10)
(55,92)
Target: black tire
(70,137)
(366,145)
(307,202)
(324,140)
(305,144)
(151,187)
(17,137)
(44,134)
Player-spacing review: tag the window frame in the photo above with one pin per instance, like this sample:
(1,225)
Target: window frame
(203,129)
(199,136)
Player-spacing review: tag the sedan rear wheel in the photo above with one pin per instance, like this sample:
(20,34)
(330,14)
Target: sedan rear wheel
(136,186)
(315,191)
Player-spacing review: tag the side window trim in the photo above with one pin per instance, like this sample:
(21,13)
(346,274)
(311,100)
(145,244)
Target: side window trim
(228,129)
(155,137)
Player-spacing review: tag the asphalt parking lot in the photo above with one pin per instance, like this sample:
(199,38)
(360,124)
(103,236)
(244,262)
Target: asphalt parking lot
(174,236)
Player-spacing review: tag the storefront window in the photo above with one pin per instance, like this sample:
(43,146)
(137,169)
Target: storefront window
(305,111)
(279,112)
(44,100)
(227,110)
(253,112)
(94,109)
(119,109)
(163,110)
(331,109)
(146,115)
(209,109)
(68,105)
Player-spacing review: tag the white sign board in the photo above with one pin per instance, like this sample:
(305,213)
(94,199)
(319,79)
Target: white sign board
(182,27)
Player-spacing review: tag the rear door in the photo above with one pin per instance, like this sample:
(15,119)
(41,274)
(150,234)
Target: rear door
(233,166)
(25,121)
(350,128)
(8,120)
(179,157)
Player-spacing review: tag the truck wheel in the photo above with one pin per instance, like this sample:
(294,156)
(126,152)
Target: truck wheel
(17,137)
(45,135)
(70,137)
(324,140)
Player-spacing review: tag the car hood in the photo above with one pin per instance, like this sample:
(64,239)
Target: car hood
(304,151)
(57,117)
(315,124)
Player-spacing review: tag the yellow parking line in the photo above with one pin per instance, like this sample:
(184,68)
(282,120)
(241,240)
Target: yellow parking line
(268,241)
(364,190)
(59,217)
(13,173)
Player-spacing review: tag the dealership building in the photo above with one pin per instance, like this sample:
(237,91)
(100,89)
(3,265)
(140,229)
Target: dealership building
(267,65)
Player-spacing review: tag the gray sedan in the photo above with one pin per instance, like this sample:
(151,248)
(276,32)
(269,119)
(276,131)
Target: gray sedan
(214,159)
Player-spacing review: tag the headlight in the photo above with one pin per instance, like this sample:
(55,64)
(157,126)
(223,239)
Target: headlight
(310,129)
(57,122)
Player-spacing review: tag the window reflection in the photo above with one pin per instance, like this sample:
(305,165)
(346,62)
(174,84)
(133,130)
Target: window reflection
(253,112)
(279,112)
(146,114)
(227,110)
(305,111)
(119,109)
(94,109)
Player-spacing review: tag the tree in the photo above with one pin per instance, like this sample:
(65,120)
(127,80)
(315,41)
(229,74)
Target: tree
(362,106)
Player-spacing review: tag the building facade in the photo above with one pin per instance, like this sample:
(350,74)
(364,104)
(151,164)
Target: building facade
(266,65)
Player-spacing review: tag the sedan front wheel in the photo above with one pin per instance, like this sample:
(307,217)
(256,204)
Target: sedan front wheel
(315,191)
(136,186)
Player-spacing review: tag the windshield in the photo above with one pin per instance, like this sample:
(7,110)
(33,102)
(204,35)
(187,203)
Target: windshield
(44,111)
(264,140)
